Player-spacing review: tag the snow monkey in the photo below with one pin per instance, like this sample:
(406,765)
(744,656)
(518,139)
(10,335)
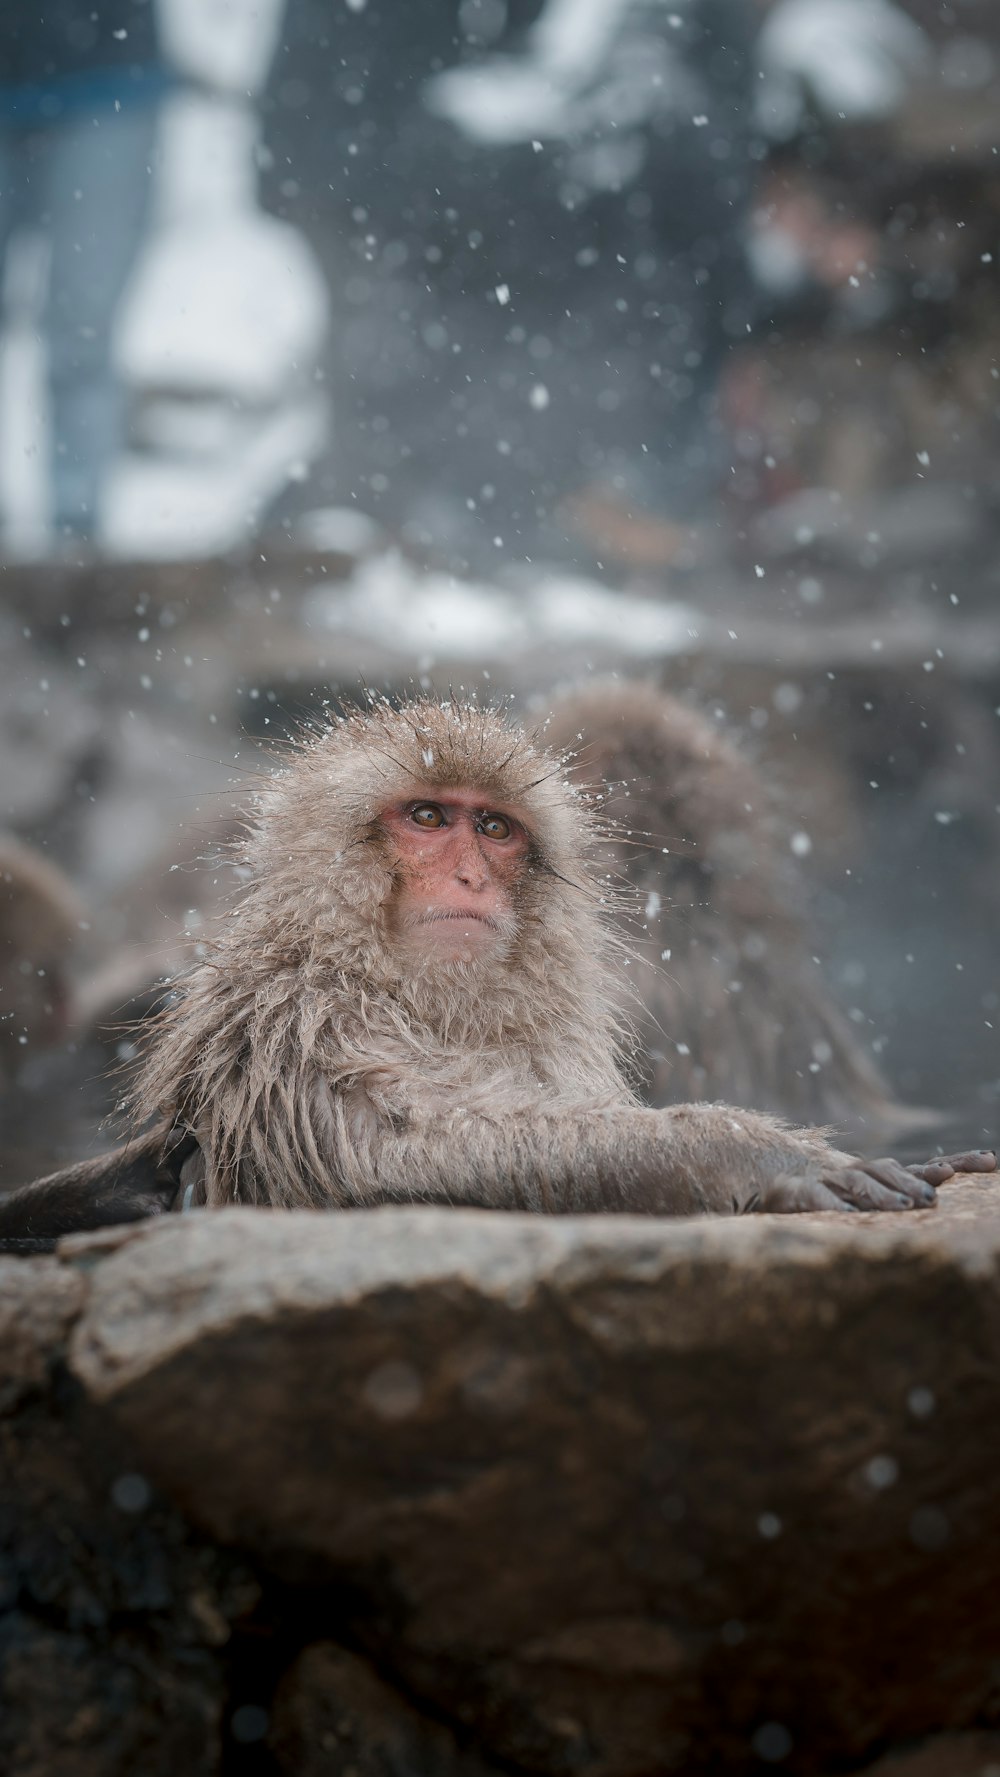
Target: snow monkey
(40,921)
(417,1000)
(731,1003)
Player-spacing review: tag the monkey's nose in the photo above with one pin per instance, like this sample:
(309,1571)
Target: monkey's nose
(472,872)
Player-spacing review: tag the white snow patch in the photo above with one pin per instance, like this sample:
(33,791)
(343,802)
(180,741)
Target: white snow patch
(162,508)
(340,528)
(567,76)
(225,298)
(450,618)
(858,57)
(227,43)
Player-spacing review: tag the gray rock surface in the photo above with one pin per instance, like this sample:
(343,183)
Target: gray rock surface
(38,1304)
(455,1491)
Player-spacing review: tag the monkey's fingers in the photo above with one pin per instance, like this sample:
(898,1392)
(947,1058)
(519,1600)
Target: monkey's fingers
(918,1191)
(936,1172)
(881,1184)
(797,1194)
(946,1165)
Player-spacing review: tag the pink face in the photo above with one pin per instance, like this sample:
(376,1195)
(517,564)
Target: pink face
(459,861)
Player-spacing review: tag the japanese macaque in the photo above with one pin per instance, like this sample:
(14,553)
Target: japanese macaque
(730,1002)
(417,1000)
(39,935)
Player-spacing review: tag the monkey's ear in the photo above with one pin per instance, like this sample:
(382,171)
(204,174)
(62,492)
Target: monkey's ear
(135,1181)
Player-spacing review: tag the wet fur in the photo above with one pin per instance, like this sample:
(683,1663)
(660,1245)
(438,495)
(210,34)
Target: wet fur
(739,1009)
(305,1063)
(133,1183)
(304,1010)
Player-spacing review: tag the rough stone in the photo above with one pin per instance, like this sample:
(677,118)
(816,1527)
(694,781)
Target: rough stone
(620,1495)
(333,1714)
(112,1613)
(38,1304)
(947,1755)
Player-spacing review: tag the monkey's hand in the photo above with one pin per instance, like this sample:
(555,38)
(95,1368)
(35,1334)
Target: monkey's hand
(938,1171)
(746,1162)
(836,1182)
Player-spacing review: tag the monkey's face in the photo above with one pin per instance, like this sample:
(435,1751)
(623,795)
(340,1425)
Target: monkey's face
(459,865)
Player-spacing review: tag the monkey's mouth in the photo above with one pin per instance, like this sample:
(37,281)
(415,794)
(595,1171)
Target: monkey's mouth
(483,919)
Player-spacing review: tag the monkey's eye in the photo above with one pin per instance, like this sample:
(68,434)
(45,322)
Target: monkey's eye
(427,814)
(495,826)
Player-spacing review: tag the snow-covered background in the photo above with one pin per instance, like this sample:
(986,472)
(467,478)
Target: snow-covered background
(221,332)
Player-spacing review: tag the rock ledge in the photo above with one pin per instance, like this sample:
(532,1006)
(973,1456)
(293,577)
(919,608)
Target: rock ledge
(609,1495)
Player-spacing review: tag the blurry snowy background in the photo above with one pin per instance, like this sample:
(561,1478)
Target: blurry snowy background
(859,106)
(220,330)
(399,258)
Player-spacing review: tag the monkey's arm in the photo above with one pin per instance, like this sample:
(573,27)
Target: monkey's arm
(135,1181)
(685,1160)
